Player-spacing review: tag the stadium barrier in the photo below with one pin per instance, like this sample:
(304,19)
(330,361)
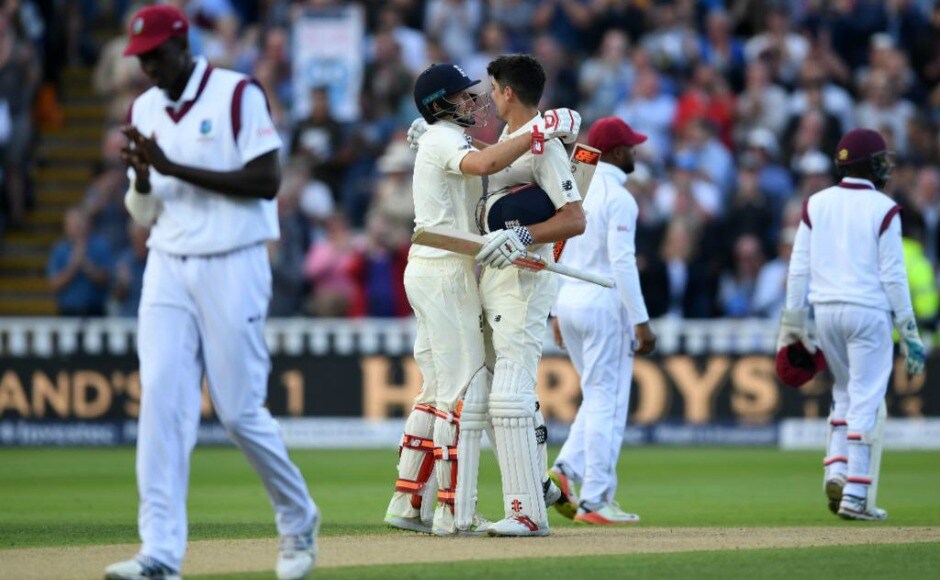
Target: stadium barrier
(348,383)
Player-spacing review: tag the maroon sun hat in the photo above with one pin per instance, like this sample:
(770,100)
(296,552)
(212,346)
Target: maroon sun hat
(609,133)
(151,26)
(796,366)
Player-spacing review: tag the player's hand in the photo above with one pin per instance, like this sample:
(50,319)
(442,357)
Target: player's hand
(418,127)
(793,329)
(646,339)
(565,124)
(502,248)
(148,147)
(556,332)
(915,356)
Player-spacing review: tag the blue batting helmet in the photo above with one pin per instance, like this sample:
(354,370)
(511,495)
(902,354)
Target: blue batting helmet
(435,84)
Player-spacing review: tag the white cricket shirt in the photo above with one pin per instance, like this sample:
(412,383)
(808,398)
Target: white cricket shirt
(220,123)
(607,247)
(551,171)
(849,247)
(443,195)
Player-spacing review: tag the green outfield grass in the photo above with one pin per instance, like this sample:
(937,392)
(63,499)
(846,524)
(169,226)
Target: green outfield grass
(856,562)
(53,497)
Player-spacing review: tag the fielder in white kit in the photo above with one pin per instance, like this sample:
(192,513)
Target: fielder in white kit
(597,326)
(442,289)
(203,157)
(848,255)
(516,302)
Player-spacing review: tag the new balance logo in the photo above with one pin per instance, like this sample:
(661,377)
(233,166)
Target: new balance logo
(566,185)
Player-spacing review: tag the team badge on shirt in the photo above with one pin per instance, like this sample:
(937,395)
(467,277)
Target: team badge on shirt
(205,127)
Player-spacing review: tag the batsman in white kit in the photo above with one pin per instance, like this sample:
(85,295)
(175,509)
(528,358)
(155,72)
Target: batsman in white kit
(203,157)
(597,326)
(848,255)
(516,301)
(442,289)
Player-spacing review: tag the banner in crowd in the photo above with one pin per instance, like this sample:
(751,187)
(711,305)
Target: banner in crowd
(328,51)
(676,399)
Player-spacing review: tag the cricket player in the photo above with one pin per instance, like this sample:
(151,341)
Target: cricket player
(442,289)
(516,302)
(848,255)
(203,164)
(597,326)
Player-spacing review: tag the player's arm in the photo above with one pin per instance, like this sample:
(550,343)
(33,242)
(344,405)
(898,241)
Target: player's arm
(893,276)
(622,214)
(496,157)
(553,174)
(793,320)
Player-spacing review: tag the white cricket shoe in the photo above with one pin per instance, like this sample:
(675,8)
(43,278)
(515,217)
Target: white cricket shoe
(517,526)
(141,568)
(567,503)
(479,526)
(297,556)
(856,508)
(608,514)
(415,524)
(833,488)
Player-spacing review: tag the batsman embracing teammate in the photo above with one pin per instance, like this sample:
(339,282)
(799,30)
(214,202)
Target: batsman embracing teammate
(848,255)
(442,289)
(203,159)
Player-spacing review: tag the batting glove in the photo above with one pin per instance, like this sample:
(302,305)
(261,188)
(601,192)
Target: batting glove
(793,329)
(503,247)
(912,347)
(564,124)
(418,127)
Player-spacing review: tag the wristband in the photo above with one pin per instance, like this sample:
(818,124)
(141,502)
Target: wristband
(537,147)
(525,236)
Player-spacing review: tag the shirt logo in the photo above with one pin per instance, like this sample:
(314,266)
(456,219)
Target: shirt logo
(138,25)
(566,185)
(205,126)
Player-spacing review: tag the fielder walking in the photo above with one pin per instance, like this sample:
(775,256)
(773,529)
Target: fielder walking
(442,289)
(598,326)
(848,255)
(516,302)
(203,157)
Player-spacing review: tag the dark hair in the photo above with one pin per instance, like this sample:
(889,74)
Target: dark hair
(521,72)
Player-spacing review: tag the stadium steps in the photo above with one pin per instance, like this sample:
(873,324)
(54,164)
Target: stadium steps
(65,158)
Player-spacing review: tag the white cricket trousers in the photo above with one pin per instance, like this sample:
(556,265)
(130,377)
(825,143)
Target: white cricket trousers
(857,343)
(598,337)
(204,315)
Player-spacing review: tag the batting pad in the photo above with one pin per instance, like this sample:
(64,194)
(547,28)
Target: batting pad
(415,464)
(473,420)
(512,409)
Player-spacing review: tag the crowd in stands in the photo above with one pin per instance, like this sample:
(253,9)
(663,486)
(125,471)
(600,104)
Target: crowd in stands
(743,102)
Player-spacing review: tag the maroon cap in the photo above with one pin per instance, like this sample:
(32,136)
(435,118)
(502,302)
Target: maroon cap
(611,132)
(859,145)
(154,25)
(796,366)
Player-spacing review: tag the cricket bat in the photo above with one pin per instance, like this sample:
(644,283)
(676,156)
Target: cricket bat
(584,160)
(470,245)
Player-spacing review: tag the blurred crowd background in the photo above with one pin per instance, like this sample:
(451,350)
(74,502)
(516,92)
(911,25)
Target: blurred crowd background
(743,102)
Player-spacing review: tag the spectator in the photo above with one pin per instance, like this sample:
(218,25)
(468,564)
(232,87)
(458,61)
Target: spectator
(762,104)
(650,111)
(455,23)
(393,201)
(379,270)
(79,268)
(675,284)
(779,45)
(770,292)
(566,21)
(687,194)
(412,43)
(129,272)
(388,83)
(815,174)
(104,198)
(561,80)
(749,212)
(605,79)
(737,288)
(712,158)
(883,108)
(318,141)
(817,92)
(925,199)
(329,268)
(773,180)
(117,78)
(720,49)
(672,44)
(514,17)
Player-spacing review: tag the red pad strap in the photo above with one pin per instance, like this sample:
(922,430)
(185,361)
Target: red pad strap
(409,486)
(445,453)
(806,219)
(854,437)
(838,423)
(416,443)
(836,459)
(861,480)
(449,417)
(886,222)
(446,496)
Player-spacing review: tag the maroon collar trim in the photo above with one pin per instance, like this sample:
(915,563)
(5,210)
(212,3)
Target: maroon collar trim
(178,115)
(853,185)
